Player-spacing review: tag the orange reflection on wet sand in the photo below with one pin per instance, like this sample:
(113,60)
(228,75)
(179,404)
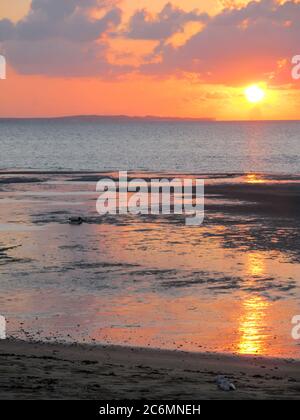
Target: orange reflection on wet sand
(255,264)
(148,282)
(254,179)
(252,320)
(253,339)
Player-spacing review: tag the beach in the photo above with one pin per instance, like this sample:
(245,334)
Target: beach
(55,371)
(146,307)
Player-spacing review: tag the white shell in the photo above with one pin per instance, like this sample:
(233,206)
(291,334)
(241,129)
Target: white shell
(224,384)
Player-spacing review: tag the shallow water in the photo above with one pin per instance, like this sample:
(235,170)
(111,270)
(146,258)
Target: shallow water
(229,285)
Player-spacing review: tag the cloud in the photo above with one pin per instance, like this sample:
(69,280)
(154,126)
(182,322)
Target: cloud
(6,29)
(60,37)
(254,42)
(169,21)
(238,46)
(63,58)
(65,19)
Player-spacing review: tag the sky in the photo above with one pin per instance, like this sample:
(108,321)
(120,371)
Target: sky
(183,58)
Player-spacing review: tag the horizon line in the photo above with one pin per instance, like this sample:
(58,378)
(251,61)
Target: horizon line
(143,117)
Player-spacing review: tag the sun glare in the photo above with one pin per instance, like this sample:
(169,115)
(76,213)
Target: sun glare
(254,94)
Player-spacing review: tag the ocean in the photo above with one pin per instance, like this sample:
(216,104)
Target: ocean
(83,144)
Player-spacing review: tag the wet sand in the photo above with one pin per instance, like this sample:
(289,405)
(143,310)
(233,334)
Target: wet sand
(230,286)
(57,371)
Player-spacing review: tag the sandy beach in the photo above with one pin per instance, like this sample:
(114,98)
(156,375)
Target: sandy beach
(57,371)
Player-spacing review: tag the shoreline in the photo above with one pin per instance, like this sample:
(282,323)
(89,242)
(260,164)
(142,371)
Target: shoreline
(97,372)
(133,172)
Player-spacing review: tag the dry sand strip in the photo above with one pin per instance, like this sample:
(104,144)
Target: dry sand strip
(56,371)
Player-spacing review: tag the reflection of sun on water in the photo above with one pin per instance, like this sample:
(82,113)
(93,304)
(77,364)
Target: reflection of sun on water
(252,325)
(254,179)
(255,264)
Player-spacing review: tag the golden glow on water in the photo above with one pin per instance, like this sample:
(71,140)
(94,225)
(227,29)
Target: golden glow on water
(252,322)
(255,264)
(252,339)
(254,179)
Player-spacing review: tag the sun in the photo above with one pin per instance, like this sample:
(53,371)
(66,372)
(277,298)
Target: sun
(254,94)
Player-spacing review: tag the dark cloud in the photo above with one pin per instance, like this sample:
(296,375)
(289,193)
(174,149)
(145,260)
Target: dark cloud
(59,37)
(7,30)
(60,59)
(238,45)
(170,20)
(65,19)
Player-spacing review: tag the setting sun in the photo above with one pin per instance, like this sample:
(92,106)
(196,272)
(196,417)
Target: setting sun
(254,94)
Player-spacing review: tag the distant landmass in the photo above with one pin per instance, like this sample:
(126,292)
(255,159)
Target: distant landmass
(126,117)
(115,117)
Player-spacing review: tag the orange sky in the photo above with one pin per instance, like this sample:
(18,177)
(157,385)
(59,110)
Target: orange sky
(152,85)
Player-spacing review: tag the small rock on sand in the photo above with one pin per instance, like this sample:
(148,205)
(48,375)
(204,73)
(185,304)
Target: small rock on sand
(224,384)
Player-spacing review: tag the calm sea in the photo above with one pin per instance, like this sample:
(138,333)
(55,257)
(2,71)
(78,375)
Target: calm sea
(210,147)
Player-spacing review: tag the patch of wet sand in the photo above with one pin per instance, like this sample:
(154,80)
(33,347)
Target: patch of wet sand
(244,255)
